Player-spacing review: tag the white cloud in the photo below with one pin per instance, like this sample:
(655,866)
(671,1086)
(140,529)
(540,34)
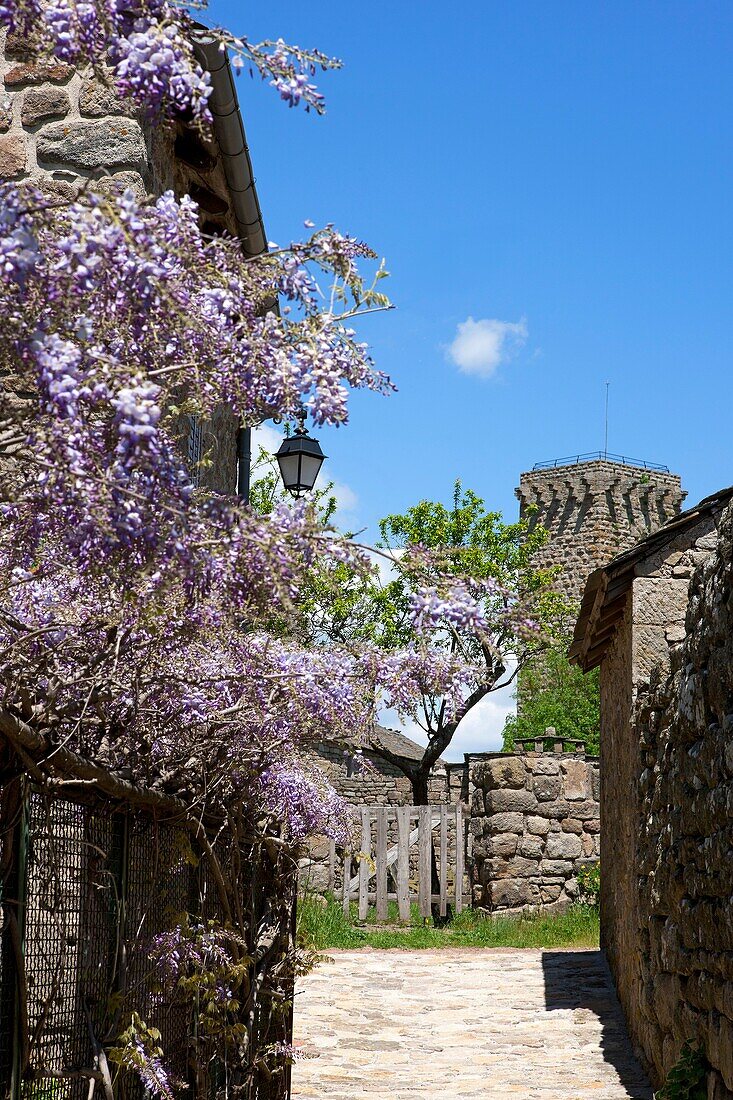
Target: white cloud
(264,435)
(385,561)
(482,729)
(479,347)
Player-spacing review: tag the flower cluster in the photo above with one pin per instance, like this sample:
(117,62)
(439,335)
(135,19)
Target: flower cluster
(129,314)
(147,46)
(457,609)
(290,81)
(306,803)
(189,950)
(153,66)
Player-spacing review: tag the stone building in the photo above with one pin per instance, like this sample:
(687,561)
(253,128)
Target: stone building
(363,777)
(62,130)
(594,507)
(659,622)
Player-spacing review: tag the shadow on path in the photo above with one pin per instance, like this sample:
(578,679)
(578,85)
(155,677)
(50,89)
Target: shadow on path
(580,981)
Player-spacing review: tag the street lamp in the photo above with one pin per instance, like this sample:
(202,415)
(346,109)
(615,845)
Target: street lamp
(300,458)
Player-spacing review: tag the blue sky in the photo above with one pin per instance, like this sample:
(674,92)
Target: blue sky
(550,185)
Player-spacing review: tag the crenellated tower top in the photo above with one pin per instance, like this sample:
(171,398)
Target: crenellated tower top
(594,506)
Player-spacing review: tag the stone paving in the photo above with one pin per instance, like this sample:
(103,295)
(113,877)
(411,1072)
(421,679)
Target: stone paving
(464,1024)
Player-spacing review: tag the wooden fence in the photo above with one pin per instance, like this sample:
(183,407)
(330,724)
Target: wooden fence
(401,871)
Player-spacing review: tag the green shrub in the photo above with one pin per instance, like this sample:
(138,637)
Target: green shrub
(687,1080)
(589,883)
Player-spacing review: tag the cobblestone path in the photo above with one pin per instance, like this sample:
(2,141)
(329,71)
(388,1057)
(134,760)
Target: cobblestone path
(463,1025)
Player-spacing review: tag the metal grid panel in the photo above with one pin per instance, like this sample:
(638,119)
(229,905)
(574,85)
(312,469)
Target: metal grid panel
(159,892)
(98,886)
(53,916)
(72,895)
(7,976)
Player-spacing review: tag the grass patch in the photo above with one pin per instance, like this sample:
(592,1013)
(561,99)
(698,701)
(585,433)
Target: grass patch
(323,927)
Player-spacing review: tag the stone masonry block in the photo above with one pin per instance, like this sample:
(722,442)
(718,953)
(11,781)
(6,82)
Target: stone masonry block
(512,893)
(6,114)
(659,601)
(508,771)
(97,100)
(37,73)
(571,825)
(120,182)
(583,811)
(503,844)
(589,848)
(577,782)
(105,144)
(563,846)
(511,801)
(514,867)
(57,191)
(558,810)
(531,847)
(12,155)
(545,765)
(44,102)
(559,867)
(503,823)
(538,826)
(546,787)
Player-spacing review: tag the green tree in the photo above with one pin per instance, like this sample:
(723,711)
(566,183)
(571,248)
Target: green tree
(470,545)
(555,693)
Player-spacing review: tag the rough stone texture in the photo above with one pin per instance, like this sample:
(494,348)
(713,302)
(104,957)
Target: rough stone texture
(97,100)
(111,142)
(667,803)
(528,840)
(6,114)
(48,101)
(592,512)
(58,191)
(469,1024)
(37,73)
(12,156)
(120,182)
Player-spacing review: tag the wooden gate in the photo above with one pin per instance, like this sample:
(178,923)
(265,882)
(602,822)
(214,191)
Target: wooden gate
(394,862)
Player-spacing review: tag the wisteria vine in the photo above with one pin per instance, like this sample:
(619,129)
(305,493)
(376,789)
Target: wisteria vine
(147,625)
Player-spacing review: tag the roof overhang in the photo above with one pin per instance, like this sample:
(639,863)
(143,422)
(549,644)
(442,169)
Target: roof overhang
(232,141)
(606,589)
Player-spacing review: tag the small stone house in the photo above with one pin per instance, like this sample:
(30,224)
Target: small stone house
(657,622)
(363,776)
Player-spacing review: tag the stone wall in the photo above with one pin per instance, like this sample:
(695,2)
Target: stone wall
(368,780)
(534,824)
(593,511)
(62,130)
(667,884)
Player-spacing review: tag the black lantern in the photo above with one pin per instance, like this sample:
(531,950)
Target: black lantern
(299,458)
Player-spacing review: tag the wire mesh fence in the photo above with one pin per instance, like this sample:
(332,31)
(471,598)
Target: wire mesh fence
(87,886)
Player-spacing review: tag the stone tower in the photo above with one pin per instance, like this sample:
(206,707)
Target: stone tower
(594,507)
